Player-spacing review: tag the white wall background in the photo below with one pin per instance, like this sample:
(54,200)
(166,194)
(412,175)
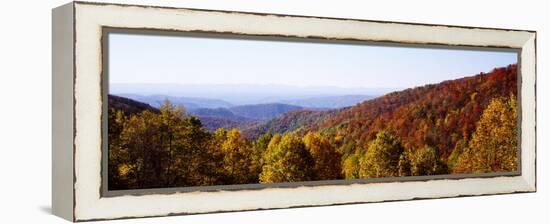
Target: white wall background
(25,112)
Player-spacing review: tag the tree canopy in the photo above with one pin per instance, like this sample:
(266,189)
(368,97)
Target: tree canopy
(468,125)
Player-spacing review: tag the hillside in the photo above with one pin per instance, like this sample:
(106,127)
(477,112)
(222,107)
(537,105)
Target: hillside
(213,119)
(211,123)
(287,122)
(189,103)
(128,106)
(263,111)
(241,117)
(219,112)
(462,126)
(437,115)
(330,102)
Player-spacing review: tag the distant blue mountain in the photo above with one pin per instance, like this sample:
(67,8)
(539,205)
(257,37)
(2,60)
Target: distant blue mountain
(241,94)
(220,113)
(329,102)
(215,113)
(263,111)
(240,116)
(256,112)
(190,103)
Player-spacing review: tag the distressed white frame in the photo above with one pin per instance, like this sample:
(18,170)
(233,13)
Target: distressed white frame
(90,18)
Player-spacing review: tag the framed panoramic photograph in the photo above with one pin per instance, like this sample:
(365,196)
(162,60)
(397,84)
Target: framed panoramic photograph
(163,111)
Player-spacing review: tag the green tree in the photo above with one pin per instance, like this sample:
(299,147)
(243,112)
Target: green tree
(327,160)
(287,160)
(381,159)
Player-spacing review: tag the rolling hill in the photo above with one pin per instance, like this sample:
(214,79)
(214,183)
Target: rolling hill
(438,115)
(329,102)
(189,103)
(263,111)
(241,117)
(129,106)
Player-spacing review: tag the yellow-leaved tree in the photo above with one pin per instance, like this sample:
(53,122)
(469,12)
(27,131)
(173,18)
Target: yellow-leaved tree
(350,167)
(381,159)
(494,143)
(327,160)
(236,161)
(287,160)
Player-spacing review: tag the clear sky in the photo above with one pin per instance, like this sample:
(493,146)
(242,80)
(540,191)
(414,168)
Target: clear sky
(192,60)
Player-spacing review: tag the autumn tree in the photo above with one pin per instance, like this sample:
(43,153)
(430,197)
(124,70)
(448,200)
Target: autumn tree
(237,158)
(381,158)
(141,138)
(350,166)
(425,161)
(192,155)
(118,157)
(494,143)
(287,160)
(170,133)
(214,168)
(404,164)
(164,149)
(460,147)
(327,160)
(258,149)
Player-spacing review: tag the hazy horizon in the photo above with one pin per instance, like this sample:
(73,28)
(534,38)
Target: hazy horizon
(200,60)
(241,94)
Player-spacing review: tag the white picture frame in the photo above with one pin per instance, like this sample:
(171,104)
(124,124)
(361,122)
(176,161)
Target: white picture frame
(78,27)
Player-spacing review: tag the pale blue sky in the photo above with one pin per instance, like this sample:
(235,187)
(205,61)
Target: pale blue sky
(192,60)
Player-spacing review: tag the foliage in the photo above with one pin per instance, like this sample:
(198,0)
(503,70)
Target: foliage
(327,160)
(459,148)
(237,160)
(425,161)
(467,125)
(118,163)
(436,115)
(381,158)
(350,167)
(290,121)
(258,150)
(287,161)
(494,144)
(404,164)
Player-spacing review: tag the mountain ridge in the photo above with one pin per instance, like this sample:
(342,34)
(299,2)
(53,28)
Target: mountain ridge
(451,107)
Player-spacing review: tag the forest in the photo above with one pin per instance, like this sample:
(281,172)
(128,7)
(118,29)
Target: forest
(467,125)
